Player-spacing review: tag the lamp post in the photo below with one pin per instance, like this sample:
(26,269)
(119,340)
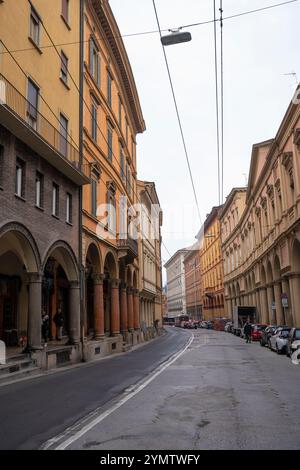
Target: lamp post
(176,37)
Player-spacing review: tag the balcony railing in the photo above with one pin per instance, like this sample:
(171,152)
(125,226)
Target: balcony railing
(130,245)
(37,124)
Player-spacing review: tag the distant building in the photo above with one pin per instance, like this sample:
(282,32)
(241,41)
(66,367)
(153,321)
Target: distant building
(176,283)
(193,282)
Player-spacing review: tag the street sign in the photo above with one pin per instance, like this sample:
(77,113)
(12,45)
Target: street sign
(284,300)
(273,306)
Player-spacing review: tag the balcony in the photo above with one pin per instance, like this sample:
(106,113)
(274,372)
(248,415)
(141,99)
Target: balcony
(209,292)
(128,248)
(40,135)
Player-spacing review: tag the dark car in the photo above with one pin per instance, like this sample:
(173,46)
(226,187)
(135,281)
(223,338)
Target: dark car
(293,341)
(266,334)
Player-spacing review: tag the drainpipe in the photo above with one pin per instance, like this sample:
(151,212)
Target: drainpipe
(81,267)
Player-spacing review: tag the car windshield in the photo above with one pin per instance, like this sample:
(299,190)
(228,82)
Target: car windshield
(297,334)
(260,327)
(284,333)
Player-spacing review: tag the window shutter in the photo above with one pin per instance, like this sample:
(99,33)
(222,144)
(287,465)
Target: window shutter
(98,71)
(91,47)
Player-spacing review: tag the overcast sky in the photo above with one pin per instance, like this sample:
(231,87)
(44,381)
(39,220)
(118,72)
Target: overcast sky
(258,50)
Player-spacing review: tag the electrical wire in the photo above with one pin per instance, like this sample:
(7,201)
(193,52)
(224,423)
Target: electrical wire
(143,33)
(217,101)
(178,116)
(222,102)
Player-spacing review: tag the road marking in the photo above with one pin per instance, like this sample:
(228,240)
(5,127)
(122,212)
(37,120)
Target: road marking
(134,390)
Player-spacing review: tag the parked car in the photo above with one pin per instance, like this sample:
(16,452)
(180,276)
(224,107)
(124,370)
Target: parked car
(293,341)
(265,334)
(228,327)
(278,341)
(257,330)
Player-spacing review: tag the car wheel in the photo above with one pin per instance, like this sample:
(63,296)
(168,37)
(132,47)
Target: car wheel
(261,343)
(269,345)
(278,350)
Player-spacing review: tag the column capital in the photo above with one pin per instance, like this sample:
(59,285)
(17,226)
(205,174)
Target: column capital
(34,278)
(130,290)
(136,292)
(123,285)
(98,278)
(115,283)
(74,284)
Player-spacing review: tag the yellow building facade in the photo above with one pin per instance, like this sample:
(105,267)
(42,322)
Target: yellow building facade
(211,269)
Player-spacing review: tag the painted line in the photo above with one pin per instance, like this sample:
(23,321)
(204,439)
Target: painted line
(136,389)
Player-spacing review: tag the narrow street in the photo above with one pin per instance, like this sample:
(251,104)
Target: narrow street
(220,394)
(33,411)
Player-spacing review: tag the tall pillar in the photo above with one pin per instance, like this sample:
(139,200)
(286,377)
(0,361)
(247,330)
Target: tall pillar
(258,307)
(115,307)
(136,309)
(264,305)
(130,309)
(294,282)
(278,303)
(270,297)
(124,316)
(287,315)
(74,312)
(34,311)
(98,306)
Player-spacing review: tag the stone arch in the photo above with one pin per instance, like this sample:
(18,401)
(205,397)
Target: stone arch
(129,276)
(65,256)
(110,266)
(16,238)
(263,277)
(93,254)
(277,268)
(269,272)
(134,280)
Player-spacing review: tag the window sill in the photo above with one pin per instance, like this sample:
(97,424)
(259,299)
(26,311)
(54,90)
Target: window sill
(66,22)
(35,45)
(64,83)
(69,223)
(20,197)
(55,216)
(39,208)
(1,187)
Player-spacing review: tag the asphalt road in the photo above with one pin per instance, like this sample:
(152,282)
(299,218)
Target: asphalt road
(35,410)
(220,394)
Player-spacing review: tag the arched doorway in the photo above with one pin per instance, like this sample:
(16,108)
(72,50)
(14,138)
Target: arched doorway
(19,270)
(110,275)
(60,292)
(295,283)
(92,273)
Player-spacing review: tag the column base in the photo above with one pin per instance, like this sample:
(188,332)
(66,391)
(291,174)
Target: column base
(99,337)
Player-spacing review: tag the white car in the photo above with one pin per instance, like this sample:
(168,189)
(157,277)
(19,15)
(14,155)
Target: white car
(278,341)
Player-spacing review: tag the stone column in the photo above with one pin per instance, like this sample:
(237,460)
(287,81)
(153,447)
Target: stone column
(34,311)
(115,307)
(270,297)
(257,304)
(136,309)
(74,312)
(130,309)
(124,316)
(294,282)
(264,305)
(98,306)
(279,309)
(287,316)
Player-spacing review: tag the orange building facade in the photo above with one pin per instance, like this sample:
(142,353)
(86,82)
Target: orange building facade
(211,266)
(193,283)
(112,119)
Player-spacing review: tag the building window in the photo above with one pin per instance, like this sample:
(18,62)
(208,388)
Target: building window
(94,184)
(32,104)
(109,88)
(55,200)
(111,211)
(1,164)
(63,135)
(35,23)
(94,122)
(65,10)
(69,208)
(109,143)
(120,112)
(122,164)
(64,67)
(20,178)
(95,65)
(126,132)
(39,189)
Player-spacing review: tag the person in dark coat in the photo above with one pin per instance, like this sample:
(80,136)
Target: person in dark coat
(59,322)
(248,331)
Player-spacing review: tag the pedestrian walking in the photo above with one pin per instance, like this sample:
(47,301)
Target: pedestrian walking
(248,331)
(45,327)
(59,323)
